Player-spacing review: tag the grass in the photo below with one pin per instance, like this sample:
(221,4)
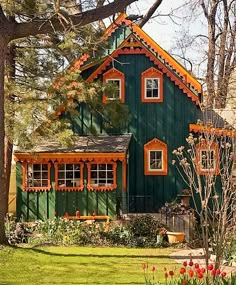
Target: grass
(78,265)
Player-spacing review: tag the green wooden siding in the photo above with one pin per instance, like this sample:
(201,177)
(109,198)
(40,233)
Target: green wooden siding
(40,205)
(168,121)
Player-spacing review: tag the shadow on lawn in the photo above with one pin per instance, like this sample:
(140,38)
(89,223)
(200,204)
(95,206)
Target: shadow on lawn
(38,250)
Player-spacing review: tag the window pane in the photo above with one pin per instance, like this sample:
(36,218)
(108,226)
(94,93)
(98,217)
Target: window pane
(37,167)
(61,166)
(155,158)
(152,87)
(69,166)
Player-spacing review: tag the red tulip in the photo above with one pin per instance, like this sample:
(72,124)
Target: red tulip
(185,263)
(210,266)
(144,266)
(153,268)
(223,274)
(200,275)
(203,270)
(184,281)
(190,263)
(171,273)
(164,268)
(213,272)
(182,270)
(191,273)
(166,275)
(196,265)
(218,271)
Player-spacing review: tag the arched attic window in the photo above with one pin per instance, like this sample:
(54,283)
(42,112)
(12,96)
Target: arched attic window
(118,79)
(155,158)
(152,86)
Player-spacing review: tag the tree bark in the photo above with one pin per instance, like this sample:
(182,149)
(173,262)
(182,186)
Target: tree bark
(36,27)
(3,189)
(150,12)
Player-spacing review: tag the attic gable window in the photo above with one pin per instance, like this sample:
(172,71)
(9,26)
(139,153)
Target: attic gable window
(36,176)
(155,158)
(69,176)
(152,85)
(207,154)
(102,176)
(118,79)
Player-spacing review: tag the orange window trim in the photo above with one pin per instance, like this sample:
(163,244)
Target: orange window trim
(152,73)
(115,74)
(24,178)
(207,147)
(157,145)
(90,187)
(77,188)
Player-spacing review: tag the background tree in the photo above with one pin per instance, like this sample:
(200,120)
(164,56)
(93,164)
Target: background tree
(207,33)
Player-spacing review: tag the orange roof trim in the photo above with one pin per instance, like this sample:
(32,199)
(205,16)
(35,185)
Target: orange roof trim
(217,131)
(150,42)
(145,51)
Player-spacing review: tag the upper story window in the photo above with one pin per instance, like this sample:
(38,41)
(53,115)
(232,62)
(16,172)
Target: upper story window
(152,85)
(207,158)
(117,91)
(117,78)
(36,176)
(155,158)
(152,88)
(102,176)
(69,176)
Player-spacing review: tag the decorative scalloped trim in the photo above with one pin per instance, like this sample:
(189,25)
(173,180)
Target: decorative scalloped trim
(153,45)
(160,65)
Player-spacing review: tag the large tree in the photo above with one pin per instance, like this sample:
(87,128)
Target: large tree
(21,19)
(26,19)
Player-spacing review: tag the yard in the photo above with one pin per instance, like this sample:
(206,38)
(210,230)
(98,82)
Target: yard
(78,265)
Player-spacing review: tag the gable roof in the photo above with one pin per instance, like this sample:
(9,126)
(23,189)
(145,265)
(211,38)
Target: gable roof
(145,45)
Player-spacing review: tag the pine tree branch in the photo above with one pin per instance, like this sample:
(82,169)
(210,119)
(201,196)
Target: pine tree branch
(39,26)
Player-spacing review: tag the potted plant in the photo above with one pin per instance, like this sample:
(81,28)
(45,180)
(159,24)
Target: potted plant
(185,197)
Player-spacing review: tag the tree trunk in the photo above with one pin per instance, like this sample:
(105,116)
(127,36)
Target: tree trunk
(3,188)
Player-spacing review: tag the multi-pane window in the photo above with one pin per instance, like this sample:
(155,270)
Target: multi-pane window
(68,175)
(151,88)
(101,175)
(116,92)
(207,159)
(155,160)
(37,175)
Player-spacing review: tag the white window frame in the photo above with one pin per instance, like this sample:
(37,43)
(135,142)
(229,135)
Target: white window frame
(149,160)
(96,181)
(146,89)
(75,181)
(213,160)
(31,175)
(111,80)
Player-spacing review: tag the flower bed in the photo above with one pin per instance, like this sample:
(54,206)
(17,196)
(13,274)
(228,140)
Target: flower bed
(189,274)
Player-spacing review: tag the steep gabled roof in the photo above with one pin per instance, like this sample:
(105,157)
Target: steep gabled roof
(141,49)
(145,45)
(175,66)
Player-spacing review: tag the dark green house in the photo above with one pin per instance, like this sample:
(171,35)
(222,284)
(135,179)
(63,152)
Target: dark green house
(128,172)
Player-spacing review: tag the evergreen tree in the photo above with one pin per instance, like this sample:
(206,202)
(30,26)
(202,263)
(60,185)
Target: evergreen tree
(23,19)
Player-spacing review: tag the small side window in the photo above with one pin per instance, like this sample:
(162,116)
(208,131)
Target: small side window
(155,158)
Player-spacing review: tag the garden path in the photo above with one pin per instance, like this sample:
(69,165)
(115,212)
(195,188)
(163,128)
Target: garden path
(197,255)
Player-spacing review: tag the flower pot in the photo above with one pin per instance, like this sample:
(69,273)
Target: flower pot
(175,237)
(185,200)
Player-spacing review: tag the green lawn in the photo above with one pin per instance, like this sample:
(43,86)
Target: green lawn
(78,265)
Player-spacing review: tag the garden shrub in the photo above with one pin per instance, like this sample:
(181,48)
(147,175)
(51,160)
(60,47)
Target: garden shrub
(140,231)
